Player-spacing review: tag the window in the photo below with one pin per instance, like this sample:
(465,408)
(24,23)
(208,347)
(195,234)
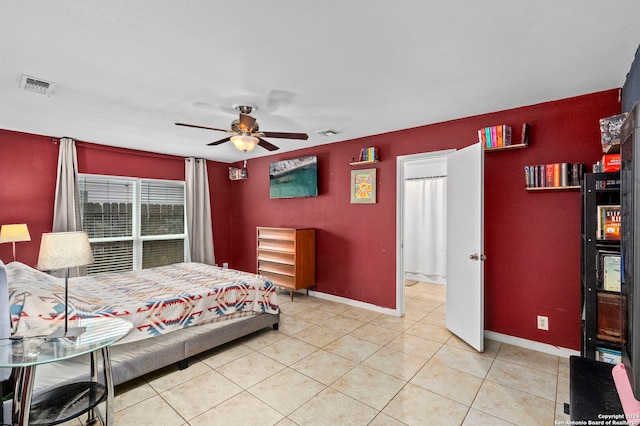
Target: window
(133,223)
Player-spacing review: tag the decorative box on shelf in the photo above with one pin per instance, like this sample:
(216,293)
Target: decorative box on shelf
(236,173)
(610,133)
(367,156)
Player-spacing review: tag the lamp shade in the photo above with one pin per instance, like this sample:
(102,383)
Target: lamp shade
(59,250)
(14,233)
(244,142)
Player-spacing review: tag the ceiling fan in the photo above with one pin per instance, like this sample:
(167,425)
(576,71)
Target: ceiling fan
(246,133)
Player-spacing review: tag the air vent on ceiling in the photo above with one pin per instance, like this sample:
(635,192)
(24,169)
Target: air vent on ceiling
(36,85)
(327,132)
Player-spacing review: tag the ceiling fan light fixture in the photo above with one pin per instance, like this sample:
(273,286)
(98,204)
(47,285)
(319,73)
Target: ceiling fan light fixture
(244,142)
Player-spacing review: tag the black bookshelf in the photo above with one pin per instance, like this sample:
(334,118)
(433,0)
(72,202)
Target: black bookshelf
(598,328)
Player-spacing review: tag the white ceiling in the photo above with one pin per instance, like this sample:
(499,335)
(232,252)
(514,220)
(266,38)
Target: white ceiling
(126,70)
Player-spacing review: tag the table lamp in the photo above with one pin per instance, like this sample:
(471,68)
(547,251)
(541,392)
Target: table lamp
(14,233)
(64,250)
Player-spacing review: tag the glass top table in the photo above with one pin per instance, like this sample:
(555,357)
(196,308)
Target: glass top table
(66,402)
(27,351)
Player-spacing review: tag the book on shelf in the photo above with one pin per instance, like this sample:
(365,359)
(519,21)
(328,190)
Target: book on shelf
(565,174)
(487,132)
(611,272)
(611,163)
(577,173)
(609,221)
(556,174)
(553,175)
(549,175)
(368,154)
(607,355)
(608,272)
(608,318)
(608,184)
(524,138)
(482,138)
(495,136)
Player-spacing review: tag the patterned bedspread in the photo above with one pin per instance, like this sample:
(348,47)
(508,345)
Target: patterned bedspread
(156,301)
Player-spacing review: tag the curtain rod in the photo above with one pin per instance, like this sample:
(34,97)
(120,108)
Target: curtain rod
(118,149)
(425,177)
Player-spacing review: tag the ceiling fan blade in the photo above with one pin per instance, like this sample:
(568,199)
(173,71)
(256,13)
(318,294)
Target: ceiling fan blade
(266,145)
(200,127)
(220,141)
(246,123)
(285,135)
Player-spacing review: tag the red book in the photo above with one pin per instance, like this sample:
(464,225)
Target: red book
(611,163)
(549,176)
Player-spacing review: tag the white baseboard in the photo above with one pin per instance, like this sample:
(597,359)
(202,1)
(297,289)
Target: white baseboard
(492,335)
(432,279)
(530,344)
(354,303)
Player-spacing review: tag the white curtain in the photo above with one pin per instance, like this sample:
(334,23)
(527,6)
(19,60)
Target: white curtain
(200,233)
(425,239)
(66,209)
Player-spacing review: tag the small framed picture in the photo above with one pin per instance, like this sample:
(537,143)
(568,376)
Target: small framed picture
(363,186)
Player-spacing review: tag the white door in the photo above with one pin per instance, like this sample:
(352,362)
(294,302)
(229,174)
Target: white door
(465,244)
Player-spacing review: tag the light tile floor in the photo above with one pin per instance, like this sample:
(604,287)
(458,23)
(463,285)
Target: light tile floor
(332,364)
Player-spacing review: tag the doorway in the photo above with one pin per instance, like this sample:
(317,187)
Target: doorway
(425,221)
(465,240)
(424,169)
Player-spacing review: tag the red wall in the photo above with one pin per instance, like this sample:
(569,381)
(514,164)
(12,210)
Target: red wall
(532,239)
(28,175)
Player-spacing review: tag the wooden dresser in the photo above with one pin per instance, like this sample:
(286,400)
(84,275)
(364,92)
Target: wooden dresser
(287,256)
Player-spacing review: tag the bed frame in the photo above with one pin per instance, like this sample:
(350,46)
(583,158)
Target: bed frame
(135,359)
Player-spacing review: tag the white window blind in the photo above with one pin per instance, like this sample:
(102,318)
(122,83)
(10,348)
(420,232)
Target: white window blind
(133,223)
(162,209)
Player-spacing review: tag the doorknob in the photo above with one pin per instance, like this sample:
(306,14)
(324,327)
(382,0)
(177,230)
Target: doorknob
(476,256)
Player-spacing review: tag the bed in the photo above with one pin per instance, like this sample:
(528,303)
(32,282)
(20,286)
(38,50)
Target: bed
(156,301)
(178,311)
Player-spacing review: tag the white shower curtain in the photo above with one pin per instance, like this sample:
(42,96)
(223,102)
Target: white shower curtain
(425,239)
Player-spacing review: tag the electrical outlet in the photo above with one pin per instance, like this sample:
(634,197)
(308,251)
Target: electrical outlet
(543,323)
(225,265)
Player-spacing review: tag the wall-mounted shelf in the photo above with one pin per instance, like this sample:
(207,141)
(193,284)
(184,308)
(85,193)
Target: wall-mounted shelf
(553,188)
(508,147)
(359,163)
